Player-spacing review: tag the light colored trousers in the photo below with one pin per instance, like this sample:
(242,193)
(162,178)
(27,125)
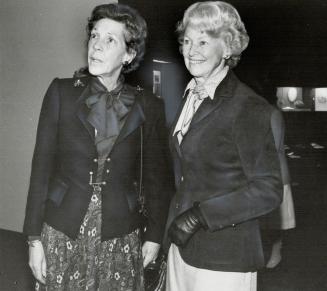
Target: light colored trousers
(183,277)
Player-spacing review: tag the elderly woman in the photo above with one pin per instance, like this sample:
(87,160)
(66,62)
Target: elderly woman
(227,171)
(98,139)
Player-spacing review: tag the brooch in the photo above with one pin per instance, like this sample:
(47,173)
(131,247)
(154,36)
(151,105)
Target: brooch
(139,88)
(78,83)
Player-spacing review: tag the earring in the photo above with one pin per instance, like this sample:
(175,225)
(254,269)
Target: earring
(125,64)
(226,57)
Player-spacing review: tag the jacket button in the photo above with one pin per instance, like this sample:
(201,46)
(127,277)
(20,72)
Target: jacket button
(104,183)
(108,159)
(182,178)
(107,171)
(177,206)
(95,160)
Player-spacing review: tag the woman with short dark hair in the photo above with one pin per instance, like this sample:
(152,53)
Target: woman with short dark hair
(99,141)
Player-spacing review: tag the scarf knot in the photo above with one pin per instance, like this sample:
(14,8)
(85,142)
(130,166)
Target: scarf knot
(108,108)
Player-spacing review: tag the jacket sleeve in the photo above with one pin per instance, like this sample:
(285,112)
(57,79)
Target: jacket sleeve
(158,177)
(43,161)
(259,159)
(278,130)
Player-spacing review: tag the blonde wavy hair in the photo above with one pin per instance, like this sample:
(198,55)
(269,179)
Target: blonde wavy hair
(220,20)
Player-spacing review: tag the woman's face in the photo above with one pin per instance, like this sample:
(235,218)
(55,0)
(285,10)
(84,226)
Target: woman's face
(107,49)
(202,53)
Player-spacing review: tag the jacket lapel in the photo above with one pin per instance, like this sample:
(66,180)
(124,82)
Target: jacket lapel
(207,106)
(224,90)
(83,111)
(134,119)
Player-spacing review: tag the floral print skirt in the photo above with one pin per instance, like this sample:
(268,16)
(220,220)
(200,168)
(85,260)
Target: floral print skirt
(89,264)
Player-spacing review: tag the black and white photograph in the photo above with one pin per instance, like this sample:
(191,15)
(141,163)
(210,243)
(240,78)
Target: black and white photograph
(170,145)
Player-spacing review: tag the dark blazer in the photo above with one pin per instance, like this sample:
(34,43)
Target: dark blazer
(65,154)
(228,162)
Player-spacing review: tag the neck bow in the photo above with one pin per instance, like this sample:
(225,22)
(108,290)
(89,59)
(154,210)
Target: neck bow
(108,108)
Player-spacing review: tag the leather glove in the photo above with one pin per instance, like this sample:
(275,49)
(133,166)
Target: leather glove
(185,225)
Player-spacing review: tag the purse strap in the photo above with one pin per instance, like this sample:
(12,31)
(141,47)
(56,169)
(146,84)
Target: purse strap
(141,194)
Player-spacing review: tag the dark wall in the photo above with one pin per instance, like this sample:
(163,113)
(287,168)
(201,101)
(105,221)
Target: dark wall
(288,39)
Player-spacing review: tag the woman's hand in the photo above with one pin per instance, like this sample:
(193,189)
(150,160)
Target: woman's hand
(37,260)
(150,252)
(185,225)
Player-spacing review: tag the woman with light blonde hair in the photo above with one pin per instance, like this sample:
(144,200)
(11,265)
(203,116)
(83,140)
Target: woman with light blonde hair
(227,171)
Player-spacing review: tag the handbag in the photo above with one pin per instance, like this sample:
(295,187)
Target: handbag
(155,272)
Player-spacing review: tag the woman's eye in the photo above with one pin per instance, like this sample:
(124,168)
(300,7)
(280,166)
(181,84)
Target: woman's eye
(93,35)
(186,41)
(110,40)
(202,43)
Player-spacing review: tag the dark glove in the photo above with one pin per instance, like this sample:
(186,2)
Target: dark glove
(185,225)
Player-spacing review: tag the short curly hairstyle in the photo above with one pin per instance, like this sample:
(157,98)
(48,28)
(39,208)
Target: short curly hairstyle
(220,20)
(135,28)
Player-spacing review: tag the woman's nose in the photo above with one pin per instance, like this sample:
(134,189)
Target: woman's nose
(97,44)
(193,49)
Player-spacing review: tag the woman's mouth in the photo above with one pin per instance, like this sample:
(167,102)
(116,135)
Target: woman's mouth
(196,62)
(95,60)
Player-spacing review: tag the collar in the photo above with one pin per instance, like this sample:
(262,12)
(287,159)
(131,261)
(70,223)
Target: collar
(211,84)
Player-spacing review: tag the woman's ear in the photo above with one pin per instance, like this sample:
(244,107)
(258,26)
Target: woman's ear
(226,56)
(227,43)
(129,57)
(227,52)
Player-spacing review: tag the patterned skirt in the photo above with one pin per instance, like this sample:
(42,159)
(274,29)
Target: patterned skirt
(89,264)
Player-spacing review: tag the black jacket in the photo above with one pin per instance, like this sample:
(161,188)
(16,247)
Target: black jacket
(228,162)
(65,154)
